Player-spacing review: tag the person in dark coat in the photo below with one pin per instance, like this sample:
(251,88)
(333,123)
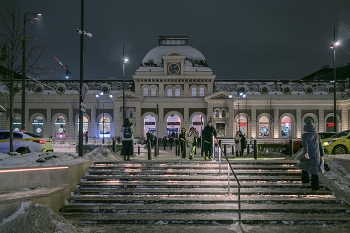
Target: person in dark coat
(207,140)
(171,141)
(312,155)
(165,142)
(127,141)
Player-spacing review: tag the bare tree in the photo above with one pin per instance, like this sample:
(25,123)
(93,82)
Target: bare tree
(11,39)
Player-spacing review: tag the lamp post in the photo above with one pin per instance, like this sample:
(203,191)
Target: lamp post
(240,95)
(125,60)
(103,115)
(333,46)
(24,66)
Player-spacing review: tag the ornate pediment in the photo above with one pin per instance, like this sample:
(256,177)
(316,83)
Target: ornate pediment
(217,96)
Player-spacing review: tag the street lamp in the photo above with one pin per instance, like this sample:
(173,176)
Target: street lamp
(24,65)
(103,115)
(333,46)
(125,60)
(240,95)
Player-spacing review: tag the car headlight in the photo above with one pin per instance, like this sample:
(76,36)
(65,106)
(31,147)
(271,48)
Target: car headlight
(327,143)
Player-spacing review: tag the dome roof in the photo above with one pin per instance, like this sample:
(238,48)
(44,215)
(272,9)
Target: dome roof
(194,58)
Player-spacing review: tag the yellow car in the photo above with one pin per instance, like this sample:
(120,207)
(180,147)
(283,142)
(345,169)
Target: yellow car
(24,142)
(337,144)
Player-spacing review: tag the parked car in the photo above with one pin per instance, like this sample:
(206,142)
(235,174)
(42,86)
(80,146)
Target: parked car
(337,144)
(324,135)
(297,144)
(24,142)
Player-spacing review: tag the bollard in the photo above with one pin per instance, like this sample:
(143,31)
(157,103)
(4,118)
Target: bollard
(255,149)
(225,149)
(233,150)
(248,148)
(290,148)
(149,150)
(138,150)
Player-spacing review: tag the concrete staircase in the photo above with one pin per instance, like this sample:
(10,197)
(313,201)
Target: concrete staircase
(196,193)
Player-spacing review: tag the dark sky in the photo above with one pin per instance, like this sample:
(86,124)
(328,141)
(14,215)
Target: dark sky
(252,39)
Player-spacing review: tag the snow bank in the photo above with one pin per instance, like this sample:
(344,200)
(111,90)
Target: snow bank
(33,217)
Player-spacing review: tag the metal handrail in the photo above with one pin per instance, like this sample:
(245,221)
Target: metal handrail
(221,152)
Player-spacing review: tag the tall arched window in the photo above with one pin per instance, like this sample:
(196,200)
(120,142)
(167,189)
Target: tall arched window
(177,92)
(169,92)
(60,127)
(145,91)
(201,92)
(264,127)
(153,91)
(223,113)
(286,127)
(38,125)
(194,92)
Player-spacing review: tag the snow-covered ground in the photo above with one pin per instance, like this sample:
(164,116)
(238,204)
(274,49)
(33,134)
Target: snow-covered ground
(32,217)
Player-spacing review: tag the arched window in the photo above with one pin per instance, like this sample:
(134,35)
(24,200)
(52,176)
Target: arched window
(201,92)
(105,126)
(177,92)
(145,91)
(223,113)
(216,113)
(38,125)
(330,124)
(169,92)
(194,92)
(60,127)
(153,91)
(264,126)
(286,127)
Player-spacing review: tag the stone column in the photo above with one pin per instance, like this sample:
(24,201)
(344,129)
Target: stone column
(298,124)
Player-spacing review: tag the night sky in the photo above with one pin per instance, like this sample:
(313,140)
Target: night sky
(252,39)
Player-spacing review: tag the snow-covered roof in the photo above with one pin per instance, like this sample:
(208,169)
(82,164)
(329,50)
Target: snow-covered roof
(193,58)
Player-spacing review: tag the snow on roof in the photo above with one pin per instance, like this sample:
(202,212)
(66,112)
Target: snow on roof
(193,58)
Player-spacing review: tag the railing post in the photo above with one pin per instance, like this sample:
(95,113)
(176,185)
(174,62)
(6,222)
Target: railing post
(149,149)
(138,150)
(290,148)
(255,149)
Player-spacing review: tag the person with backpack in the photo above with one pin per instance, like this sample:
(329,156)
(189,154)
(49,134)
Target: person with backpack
(127,139)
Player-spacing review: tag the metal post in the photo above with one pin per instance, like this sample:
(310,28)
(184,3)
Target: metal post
(80,149)
(149,149)
(124,114)
(255,149)
(334,87)
(103,119)
(23,112)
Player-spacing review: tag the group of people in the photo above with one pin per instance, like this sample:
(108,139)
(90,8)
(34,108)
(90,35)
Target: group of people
(311,161)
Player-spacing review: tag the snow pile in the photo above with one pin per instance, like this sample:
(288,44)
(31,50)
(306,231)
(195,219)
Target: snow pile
(102,153)
(32,217)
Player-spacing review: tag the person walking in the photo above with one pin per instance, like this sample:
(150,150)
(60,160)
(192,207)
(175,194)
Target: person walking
(207,140)
(243,143)
(171,141)
(183,142)
(238,144)
(191,138)
(165,142)
(312,157)
(86,137)
(127,139)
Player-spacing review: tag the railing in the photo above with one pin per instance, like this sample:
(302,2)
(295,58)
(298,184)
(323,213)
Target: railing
(229,167)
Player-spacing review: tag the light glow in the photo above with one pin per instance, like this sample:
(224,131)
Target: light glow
(32,169)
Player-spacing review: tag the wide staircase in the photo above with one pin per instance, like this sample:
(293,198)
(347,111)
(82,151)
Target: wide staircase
(200,193)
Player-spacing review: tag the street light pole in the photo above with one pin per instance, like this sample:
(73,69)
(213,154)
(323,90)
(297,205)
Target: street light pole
(80,148)
(333,46)
(124,62)
(24,67)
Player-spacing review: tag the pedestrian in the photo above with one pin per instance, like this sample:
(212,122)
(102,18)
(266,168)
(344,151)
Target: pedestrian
(191,138)
(127,139)
(86,137)
(183,142)
(171,141)
(238,144)
(312,155)
(207,140)
(243,143)
(165,142)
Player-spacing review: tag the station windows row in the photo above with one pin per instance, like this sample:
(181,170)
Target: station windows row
(173,91)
